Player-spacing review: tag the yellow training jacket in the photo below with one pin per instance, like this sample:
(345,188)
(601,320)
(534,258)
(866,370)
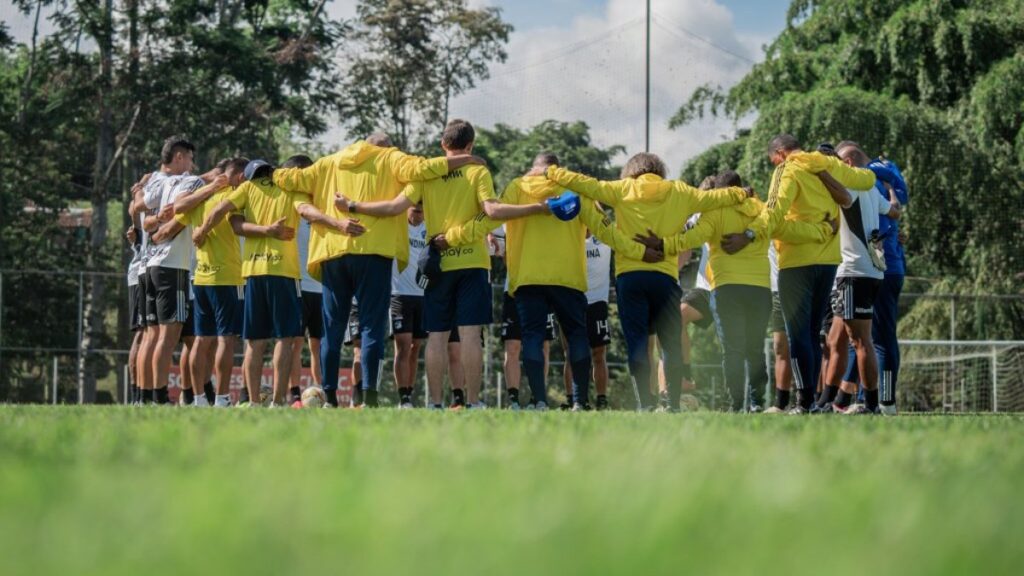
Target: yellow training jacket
(647,203)
(541,249)
(364,173)
(797,194)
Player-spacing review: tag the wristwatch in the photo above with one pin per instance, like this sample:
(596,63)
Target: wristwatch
(351,207)
(749,234)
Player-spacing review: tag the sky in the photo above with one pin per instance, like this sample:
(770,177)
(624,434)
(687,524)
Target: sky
(584,60)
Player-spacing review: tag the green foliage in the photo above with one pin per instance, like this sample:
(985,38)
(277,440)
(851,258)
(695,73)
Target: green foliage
(936,85)
(408,58)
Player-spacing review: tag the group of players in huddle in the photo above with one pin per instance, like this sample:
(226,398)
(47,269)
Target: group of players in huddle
(337,249)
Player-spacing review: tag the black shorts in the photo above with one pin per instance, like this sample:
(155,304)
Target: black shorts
(700,300)
(149,294)
(353,337)
(188,329)
(511,328)
(854,297)
(407,316)
(136,307)
(597,325)
(173,294)
(313,314)
(777,322)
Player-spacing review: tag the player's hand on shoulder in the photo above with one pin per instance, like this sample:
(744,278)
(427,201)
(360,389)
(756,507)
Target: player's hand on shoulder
(733,243)
(440,242)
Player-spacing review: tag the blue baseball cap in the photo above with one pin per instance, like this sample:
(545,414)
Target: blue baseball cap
(565,206)
(254,166)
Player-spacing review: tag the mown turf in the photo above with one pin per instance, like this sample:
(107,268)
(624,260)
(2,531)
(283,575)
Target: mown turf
(188,491)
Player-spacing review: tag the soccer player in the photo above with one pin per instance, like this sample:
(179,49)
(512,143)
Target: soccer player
(780,345)
(136,296)
(407,311)
(741,295)
(858,280)
(646,204)
(312,302)
(169,263)
(460,296)
(599,262)
(806,270)
(217,285)
(270,266)
(353,257)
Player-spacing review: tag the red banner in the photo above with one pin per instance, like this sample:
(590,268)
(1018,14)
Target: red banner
(267,382)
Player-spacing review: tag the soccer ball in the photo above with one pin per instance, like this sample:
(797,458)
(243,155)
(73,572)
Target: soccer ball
(313,397)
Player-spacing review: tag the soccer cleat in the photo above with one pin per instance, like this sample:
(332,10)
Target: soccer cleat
(887,410)
(201,401)
(797,411)
(602,403)
(666,409)
(297,405)
(774,410)
(514,406)
(541,406)
(577,407)
(754,409)
(822,408)
(476,406)
(856,409)
(222,401)
(405,405)
(437,407)
(565,406)
(457,407)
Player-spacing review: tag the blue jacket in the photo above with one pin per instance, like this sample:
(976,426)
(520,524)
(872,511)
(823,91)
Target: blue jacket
(889,173)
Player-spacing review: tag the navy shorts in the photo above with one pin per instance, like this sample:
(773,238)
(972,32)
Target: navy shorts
(273,308)
(313,314)
(511,328)
(457,298)
(218,310)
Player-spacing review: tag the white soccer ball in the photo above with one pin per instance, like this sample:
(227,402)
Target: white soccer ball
(313,397)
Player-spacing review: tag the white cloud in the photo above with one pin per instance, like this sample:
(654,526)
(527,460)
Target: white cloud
(593,71)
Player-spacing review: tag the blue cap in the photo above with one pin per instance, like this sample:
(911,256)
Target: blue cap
(566,206)
(253,166)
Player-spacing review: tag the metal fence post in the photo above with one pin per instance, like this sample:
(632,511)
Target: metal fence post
(126,384)
(81,312)
(498,382)
(54,395)
(1,323)
(995,380)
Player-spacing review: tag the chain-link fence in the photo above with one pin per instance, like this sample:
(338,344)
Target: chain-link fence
(50,352)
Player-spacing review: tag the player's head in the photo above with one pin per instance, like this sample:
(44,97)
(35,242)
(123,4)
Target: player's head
(234,169)
(458,136)
(781,146)
(643,163)
(851,153)
(298,161)
(415,214)
(728,179)
(545,159)
(380,139)
(708,183)
(176,154)
(827,149)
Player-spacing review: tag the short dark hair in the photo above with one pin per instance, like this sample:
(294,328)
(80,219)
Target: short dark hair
(173,145)
(783,142)
(236,164)
(298,161)
(545,159)
(458,135)
(728,179)
(827,149)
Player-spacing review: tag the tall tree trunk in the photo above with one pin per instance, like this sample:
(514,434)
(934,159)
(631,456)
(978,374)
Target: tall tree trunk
(96,302)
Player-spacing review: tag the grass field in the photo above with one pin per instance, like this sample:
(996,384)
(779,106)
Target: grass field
(181,491)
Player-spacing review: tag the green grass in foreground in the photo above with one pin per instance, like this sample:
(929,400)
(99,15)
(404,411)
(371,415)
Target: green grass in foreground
(174,491)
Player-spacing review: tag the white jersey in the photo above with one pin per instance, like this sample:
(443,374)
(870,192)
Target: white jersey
(702,270)
(773,266)
(599,263)
(176,253)
(859,225)
(307,283)
(499,238)
(404,283)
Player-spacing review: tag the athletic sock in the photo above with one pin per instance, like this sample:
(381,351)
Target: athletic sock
(370,398)
(458,397)
(513,395)
(190,397)
(581,382)
(136,395)
(871,399)
(828,395)
(209,392)
(332,397)
(405,395)
(147,396)
(781,399)
(843,399)
(162,397)
(357,395)
(244,397)
(805,398)
(296,393)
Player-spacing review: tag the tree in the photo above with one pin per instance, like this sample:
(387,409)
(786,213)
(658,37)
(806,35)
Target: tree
(937,86)
(409,58)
